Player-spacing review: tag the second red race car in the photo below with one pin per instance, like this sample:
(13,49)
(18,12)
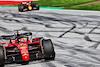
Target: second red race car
(23,49)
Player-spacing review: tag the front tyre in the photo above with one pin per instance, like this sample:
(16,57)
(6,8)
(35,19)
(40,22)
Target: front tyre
(2,60)
(35,6)
(48,49)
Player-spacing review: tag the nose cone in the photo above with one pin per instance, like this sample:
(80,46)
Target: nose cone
(26,57)
(24,51)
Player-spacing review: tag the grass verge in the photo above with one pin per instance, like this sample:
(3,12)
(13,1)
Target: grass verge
(95,7)
(62,3)
(66,4)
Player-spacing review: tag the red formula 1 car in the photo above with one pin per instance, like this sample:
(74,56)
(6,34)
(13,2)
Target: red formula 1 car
(23,49)
(27,6)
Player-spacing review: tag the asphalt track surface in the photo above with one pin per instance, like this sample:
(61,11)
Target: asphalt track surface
(75,34)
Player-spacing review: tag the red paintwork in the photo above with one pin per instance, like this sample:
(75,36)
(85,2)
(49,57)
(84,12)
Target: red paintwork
(13,2)
(23,48)
(3,43)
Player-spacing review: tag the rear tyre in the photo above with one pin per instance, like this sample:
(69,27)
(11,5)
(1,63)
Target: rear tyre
(48,49)
(35,5)
(2,61)
(20,8)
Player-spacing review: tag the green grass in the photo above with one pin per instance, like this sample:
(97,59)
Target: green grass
(67,4)
(95,7)
(62,3)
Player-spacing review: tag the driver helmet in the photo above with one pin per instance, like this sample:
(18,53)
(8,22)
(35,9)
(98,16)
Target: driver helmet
(22,40)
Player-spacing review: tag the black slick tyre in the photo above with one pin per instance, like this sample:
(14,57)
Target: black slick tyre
(2,61)
(35,5)
(20,8)
(48,49)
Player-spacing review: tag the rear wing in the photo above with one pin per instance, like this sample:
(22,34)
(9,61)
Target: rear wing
(9,37)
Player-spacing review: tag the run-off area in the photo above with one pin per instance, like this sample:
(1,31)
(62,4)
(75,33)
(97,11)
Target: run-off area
(75,34)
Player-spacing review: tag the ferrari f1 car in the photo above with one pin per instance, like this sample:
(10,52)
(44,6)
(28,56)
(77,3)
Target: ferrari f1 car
(27,6)
(23,49)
